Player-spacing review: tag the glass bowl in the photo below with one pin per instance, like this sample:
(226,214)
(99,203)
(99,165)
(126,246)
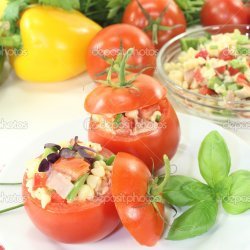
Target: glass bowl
(209,107)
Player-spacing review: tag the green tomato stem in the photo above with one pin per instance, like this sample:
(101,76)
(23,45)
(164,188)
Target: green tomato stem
(122,73)
(167,174)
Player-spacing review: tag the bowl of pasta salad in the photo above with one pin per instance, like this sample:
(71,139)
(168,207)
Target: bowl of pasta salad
(207,71)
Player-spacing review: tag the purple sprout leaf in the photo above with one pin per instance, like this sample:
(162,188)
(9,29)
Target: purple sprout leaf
(67,153)
(76,139)
(77,147)
(52,145)
(44,166)
(85,155)
(52,158)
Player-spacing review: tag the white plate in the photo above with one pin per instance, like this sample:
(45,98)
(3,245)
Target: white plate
(230,232)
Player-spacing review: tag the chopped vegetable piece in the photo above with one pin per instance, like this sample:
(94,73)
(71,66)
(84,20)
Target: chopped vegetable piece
(40,180)
(74,168)
(60,183)
(110,160)
(79,183)
(190,42)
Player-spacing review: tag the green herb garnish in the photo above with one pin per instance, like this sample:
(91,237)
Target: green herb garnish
(117,121)
(158,118)
(214,163)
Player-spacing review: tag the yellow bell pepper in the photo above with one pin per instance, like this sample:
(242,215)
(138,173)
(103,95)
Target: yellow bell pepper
(54,44)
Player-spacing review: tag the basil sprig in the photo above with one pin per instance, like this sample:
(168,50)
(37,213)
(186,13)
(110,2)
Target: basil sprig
(233,190)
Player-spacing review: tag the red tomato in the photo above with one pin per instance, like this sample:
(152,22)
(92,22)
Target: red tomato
(40,180)
(226,55)
(203,53)
(74,167)
(149,146)
(56,198)
(242,80)
(221,70)
(223,12)
(130,179)
(173,16)
(108,100)
(233,71)
(204,90)
(108,41)
(73,222)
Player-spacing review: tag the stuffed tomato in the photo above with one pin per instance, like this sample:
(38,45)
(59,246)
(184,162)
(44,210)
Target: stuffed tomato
(67,193)
(136,118)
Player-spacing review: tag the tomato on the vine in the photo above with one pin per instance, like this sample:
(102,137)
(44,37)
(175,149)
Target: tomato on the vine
(111,43)
(224,12)
(160,19)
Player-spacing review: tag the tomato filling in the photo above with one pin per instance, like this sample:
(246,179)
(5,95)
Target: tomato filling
(76,171)
(130,123)
(215,66)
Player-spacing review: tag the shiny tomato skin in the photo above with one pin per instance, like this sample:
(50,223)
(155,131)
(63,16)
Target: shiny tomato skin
(149,147)
(73,223)
(108,100)
(77,222)
(134,16)
(224,12)
(130,179)
(108,41)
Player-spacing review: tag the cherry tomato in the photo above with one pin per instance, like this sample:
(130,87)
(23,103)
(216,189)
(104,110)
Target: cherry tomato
(171,16)
(73,222)
(107,43)
(223,12)
(148,146)
(130,179)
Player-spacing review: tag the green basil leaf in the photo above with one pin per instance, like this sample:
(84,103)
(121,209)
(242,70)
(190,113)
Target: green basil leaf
(195,221)
(214,159)
(237,200)
(183,191)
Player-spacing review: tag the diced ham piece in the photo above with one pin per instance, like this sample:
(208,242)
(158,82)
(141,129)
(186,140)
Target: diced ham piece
(60,183)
